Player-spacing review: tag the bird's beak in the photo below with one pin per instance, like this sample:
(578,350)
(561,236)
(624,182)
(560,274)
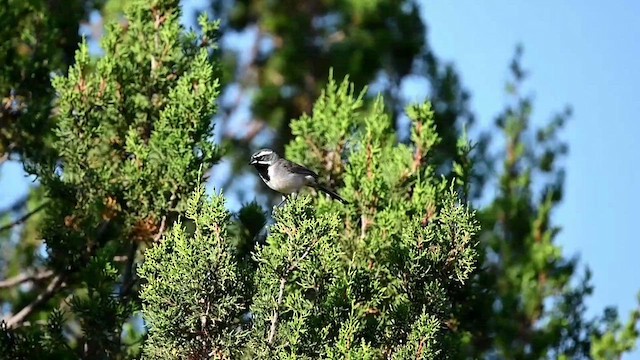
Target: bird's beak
(252,162)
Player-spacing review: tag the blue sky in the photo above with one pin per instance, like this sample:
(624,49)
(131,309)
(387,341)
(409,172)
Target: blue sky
(585,54)
(582,53)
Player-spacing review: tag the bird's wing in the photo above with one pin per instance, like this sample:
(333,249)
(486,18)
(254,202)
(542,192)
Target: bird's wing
(299,169)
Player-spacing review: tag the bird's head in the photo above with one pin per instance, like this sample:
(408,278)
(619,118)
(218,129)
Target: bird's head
(263,157)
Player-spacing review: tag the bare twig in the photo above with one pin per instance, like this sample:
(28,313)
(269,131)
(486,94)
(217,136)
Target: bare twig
(283,282)
(56,284)
(120,258)
(163,224)
(53,287)
(23,218)
(364,225)
(304,255)
(24,277)
(276,311)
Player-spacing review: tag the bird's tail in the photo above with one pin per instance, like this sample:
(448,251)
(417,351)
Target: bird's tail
(331,193)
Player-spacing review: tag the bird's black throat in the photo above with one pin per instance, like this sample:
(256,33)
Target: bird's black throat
(263,171)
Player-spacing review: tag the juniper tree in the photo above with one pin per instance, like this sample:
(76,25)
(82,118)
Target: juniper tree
(528,301)
(132,135)
(371,279)
(38,39)
(194,294)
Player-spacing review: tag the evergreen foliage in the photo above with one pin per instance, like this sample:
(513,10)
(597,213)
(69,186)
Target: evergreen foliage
(371,279)
(131,137)
(615,339)
(526,280)
(193,295)
(37,41)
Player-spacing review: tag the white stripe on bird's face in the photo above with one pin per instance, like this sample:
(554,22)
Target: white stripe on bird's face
(263,157)
(262,153)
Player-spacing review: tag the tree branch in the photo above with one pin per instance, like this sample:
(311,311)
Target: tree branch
(53,287)
(276,311)
(294,265)
(283,282)
(56,284)
(23,218)
(24,277)
(163,224)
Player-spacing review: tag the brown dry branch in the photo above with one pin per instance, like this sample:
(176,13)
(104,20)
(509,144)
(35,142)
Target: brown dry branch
(54,286)
(23,218)
(25,277)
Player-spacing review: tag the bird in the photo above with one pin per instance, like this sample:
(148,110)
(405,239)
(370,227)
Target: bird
(286,177)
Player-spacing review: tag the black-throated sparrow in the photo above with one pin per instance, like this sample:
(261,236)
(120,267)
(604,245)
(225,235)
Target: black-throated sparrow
(286,177)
